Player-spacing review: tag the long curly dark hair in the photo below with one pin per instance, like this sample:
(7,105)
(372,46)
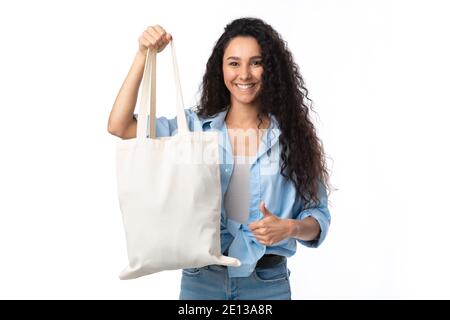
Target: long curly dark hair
(283,94)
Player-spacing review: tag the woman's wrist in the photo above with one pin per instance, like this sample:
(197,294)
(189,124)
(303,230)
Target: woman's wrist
(141,55)
(306,229)
(294,227)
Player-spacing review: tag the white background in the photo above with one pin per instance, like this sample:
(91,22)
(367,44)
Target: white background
(376,70)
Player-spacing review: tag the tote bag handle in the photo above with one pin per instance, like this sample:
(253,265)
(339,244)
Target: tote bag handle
(146,122)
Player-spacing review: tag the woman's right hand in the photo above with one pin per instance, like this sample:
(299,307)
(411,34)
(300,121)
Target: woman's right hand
(154,38)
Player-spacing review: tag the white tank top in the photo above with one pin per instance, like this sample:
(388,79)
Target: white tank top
(237,196)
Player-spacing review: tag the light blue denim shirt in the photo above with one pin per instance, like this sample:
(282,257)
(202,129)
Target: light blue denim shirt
(266,184)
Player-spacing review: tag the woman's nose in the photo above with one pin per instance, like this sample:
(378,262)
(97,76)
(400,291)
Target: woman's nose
(244,74)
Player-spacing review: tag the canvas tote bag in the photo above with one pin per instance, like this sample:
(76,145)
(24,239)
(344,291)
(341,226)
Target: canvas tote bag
(169,190)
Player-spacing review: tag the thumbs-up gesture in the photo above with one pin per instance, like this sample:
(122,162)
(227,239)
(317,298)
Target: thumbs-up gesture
(270,229)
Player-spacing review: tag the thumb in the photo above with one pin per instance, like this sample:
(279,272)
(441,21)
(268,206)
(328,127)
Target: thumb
(168,36)
(263,209)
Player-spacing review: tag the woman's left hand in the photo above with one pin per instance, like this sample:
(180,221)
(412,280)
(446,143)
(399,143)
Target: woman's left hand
(270,229)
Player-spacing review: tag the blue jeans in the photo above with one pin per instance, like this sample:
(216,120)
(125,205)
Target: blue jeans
(212,283)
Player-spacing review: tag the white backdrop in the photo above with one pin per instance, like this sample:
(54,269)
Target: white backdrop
(376,70)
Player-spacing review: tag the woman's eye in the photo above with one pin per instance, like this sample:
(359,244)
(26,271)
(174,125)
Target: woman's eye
(234,64)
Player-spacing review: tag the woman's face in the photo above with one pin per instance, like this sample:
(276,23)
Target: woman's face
(242,69)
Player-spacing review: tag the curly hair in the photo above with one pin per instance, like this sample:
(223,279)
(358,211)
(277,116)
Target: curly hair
(283,94)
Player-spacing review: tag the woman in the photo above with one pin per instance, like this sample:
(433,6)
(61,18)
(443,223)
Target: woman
(273,171)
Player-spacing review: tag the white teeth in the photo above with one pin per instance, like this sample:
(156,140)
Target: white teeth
(245,86)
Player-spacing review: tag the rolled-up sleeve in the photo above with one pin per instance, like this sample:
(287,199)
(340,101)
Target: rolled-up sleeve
(321,214)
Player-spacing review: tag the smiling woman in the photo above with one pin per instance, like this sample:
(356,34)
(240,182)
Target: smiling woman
(252,88)
(273,175)
(242,70)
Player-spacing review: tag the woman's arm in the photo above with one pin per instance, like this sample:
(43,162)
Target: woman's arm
(306,229)
(121,122)
(272,229)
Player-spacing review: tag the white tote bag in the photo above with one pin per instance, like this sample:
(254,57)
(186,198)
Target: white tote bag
(169,190)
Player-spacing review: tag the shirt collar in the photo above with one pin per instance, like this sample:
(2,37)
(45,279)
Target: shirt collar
(270,137)
(215,122)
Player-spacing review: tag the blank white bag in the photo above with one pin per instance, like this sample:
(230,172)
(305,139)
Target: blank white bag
(169,190)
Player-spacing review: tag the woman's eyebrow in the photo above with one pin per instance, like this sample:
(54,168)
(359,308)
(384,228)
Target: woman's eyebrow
(237,58)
